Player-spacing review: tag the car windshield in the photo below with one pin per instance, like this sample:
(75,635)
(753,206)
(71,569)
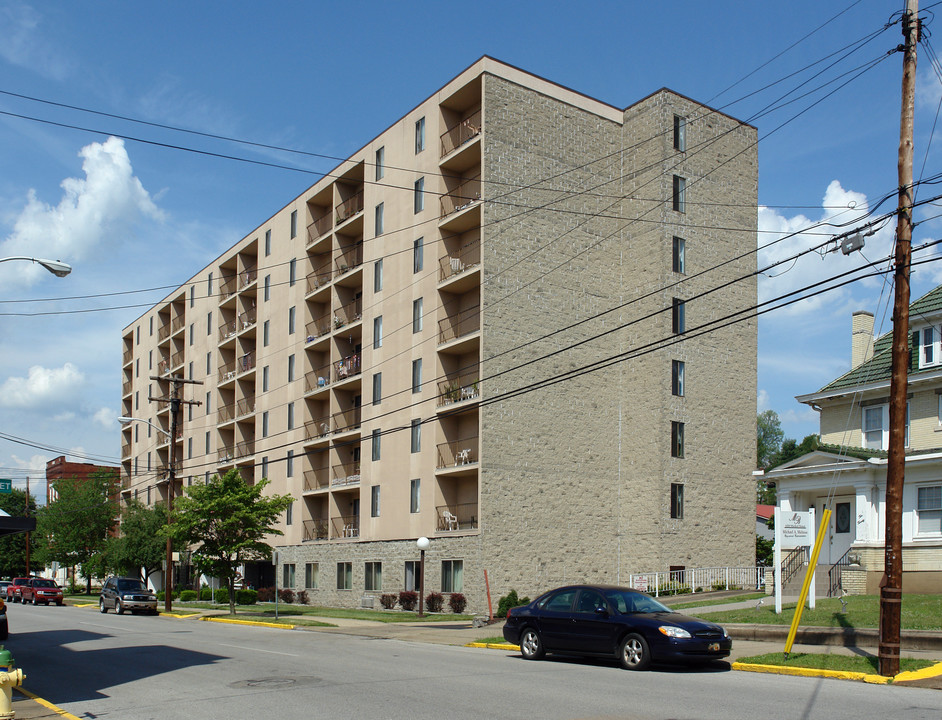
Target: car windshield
(44,583)
(634,602)
(134,585)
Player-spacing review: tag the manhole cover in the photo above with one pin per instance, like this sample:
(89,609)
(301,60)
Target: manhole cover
(275,682)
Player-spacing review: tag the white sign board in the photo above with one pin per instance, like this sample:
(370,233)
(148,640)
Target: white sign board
(797,529)
(641,583)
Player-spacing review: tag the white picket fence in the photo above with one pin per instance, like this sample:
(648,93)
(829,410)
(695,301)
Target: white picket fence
(695,580)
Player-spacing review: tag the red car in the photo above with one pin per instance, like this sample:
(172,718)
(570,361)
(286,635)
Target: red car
(41,591)
(15,589)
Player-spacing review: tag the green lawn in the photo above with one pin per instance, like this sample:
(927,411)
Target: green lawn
(293,611)
(846,663)
(919,612)
(706,602)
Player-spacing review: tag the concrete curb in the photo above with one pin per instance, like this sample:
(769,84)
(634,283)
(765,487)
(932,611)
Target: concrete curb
(846,637)
(259,623)
(812,672)
(494,646)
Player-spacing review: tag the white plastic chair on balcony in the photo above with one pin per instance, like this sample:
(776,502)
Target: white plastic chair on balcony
(449,521)
(463,457)
(456,266)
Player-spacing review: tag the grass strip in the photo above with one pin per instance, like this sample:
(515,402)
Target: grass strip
(717,601)
(842,663)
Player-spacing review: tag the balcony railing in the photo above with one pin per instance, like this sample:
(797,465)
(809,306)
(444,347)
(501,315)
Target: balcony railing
(228,330)
(349,259)
(347,420)
(460,516)
(320,226)
(248,276)
(346,526)
(245,406)
(177,324)
(318,278)
(457,389)
(456,454)
(126,388)
(317,379)
(177,359)
(244,449)
(318,327)
(468,192)
(125,450)
(228,288)
(315,479)
(318,428)
(231,369)
(348,474)
(246,319)
(348,367)
(315,529)
(127,357)
(457,135)
(125,482)
(469,257)
(349,207)
(459,324)
(349,313)
(163,332)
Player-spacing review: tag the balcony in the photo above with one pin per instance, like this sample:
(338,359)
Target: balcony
(231,369)
(177,324)
(245,406)
(348,367)
(243,449)
(466,194)
(315,480)
(453,268)
(125,450)
(458,454)
(459,136)
(349,207)
(127,357)
(246,320)
(350,259)
(315,529)
(163,332)
(458,325)
(247,277)
(228,288)
(317,429)
(228,330)
(343,475)
(349,313)
(126,388)
(317,380)
(177,359)
(321,226)
(125,482)
(457,517)
(318,278)
(346,526)
(345,421)
(459,389)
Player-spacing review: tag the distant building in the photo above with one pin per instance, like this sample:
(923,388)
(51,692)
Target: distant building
(59,468)
(764,515)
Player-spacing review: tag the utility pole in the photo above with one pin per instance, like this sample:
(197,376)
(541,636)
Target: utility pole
(27,532)
(175,403)
(891,587)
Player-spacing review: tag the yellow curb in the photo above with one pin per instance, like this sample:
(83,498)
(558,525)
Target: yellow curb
(493,646)
(248,622)
(85,605)
(177,615)
(811,672)
(922,674)
(46,704)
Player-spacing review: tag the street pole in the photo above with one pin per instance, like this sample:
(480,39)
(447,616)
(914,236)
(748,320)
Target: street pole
(421,583)
(168,576)
(27,532)
(891,586)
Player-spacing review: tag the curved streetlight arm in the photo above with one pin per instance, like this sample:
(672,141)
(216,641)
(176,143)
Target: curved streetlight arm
(57,268)
(125,420)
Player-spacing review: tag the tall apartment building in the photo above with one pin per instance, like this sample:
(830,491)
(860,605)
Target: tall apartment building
(384,349)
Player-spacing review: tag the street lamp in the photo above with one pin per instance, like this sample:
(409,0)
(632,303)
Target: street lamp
(57,268)
(168,571)
(423,544)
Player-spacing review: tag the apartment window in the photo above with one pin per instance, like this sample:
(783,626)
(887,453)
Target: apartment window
(189,413)
(289,520)
(209,285)
(137,367)
(150,359)
(344,576)
(418,253)
(267,243)
(265,333)
(291,316)
(677,439)
(138,334)
(417,375)
(192,303)
(416,435)
(376,437)
(412,575)
(677,378)
(680,192)
(417,315)
(264,466)
(374,501)
(419,135)
(418,196)
(289,464)
(378,275)
(265,379)
(378,220)
(679,317)
(189,370)
(291,416)
(680,133)
(137,435)
(137,399)
(677,501)
(287,575)
(378,332)
(452,576)
(265,424)
(189,446)
(206,478)
(929,510)
(266,292)
(192,332)
(209,364)
(679,252)
(207,443)
(148,494)
(292,272)
(209,396)
(291,368)
(373,579)
(380,163)
(377,388)
(311,572)
(415,487)
(294,224)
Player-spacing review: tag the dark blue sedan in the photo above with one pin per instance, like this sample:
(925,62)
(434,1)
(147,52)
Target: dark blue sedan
(612,621)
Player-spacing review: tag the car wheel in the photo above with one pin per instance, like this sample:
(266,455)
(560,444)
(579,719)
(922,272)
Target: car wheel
(59,603)
(101,605)
(531,645)
(634,653)
(117,607)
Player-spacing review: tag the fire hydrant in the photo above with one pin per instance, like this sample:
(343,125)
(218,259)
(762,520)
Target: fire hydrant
(10,677)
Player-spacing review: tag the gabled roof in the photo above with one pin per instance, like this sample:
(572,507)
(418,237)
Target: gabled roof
(878,367)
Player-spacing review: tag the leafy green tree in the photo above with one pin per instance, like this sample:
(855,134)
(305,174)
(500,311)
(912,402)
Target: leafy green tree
(13,547)
(141,546)
(226,522)
(769,436)
(765,548)
(75,528)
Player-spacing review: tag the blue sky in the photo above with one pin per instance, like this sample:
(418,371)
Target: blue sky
(325,78)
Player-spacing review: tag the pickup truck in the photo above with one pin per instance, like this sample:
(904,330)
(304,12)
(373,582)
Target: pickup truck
(41,591)
(15,589)
(4,626)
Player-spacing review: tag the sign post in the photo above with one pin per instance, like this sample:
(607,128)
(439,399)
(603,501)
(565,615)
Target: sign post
(792,530)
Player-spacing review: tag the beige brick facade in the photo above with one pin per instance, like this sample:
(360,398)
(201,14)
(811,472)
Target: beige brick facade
(547,237)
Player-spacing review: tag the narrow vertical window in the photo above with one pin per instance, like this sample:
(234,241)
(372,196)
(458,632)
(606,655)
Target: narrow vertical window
(209,285)
(677,377)
(677,501)
(419,135)
(266,293)
(267,243)
(209,323)
(265,424)
(452,576)
(209,363)
(376,438)
(380,163)
(378,275)
(292,272)
(377,388)
(294,224)
(414,488)
(192,303)
(418,261)
(209,396)
(289,464)
(677,439)
(289,519)
(417,315)
(291,368)
(679,317)
(416,435)
(680,133)
(374,501)
(418,196)
(378,220)
(344,576)
(311,575)
(265,327)
(378,331)
(291,416)
(207,443)
(680,192)
(265,379)
(928,340)
(291,314)
(679,255)
(264,466)
(417,375)
(192,332)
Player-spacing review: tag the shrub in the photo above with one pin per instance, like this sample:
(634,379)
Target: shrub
(303,599)
(246,597)
(266,594)
(222,596)
(161,595)
(188,595)
(510,600)
(457,602)
(286,595)
(434,602)
(388,600)
(408,599)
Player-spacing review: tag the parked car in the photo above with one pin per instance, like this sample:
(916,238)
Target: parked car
(4,625)
(4,584)
(121,593)
(15,589)
(611,621)
(41,591)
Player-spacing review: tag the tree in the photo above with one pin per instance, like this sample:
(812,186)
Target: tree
(13,547)
(769,436)
(226,522)
(141,545)
(75,528)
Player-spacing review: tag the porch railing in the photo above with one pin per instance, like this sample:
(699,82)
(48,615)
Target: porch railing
(320,226)
(457,135)
(459,324)
(454,264)
(315,529)
(468,192)
(348,474)
(456,454)
(462,387)
(456,517)
(349,259)
(693,580)
(349,313)
(835,574)
(346,526)
(348,367)
(793,562)
(315,479)
(349,207)
(317,379)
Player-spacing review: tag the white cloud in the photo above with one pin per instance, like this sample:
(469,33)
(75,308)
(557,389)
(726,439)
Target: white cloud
(22,43)
(106,417)
(42,388)
(36,462)
(95,214)
(762,402)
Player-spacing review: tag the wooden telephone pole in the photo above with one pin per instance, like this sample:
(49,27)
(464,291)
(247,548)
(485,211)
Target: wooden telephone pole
(891,588)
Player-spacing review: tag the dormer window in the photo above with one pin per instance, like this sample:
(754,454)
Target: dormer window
(929,340)
(928,343)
